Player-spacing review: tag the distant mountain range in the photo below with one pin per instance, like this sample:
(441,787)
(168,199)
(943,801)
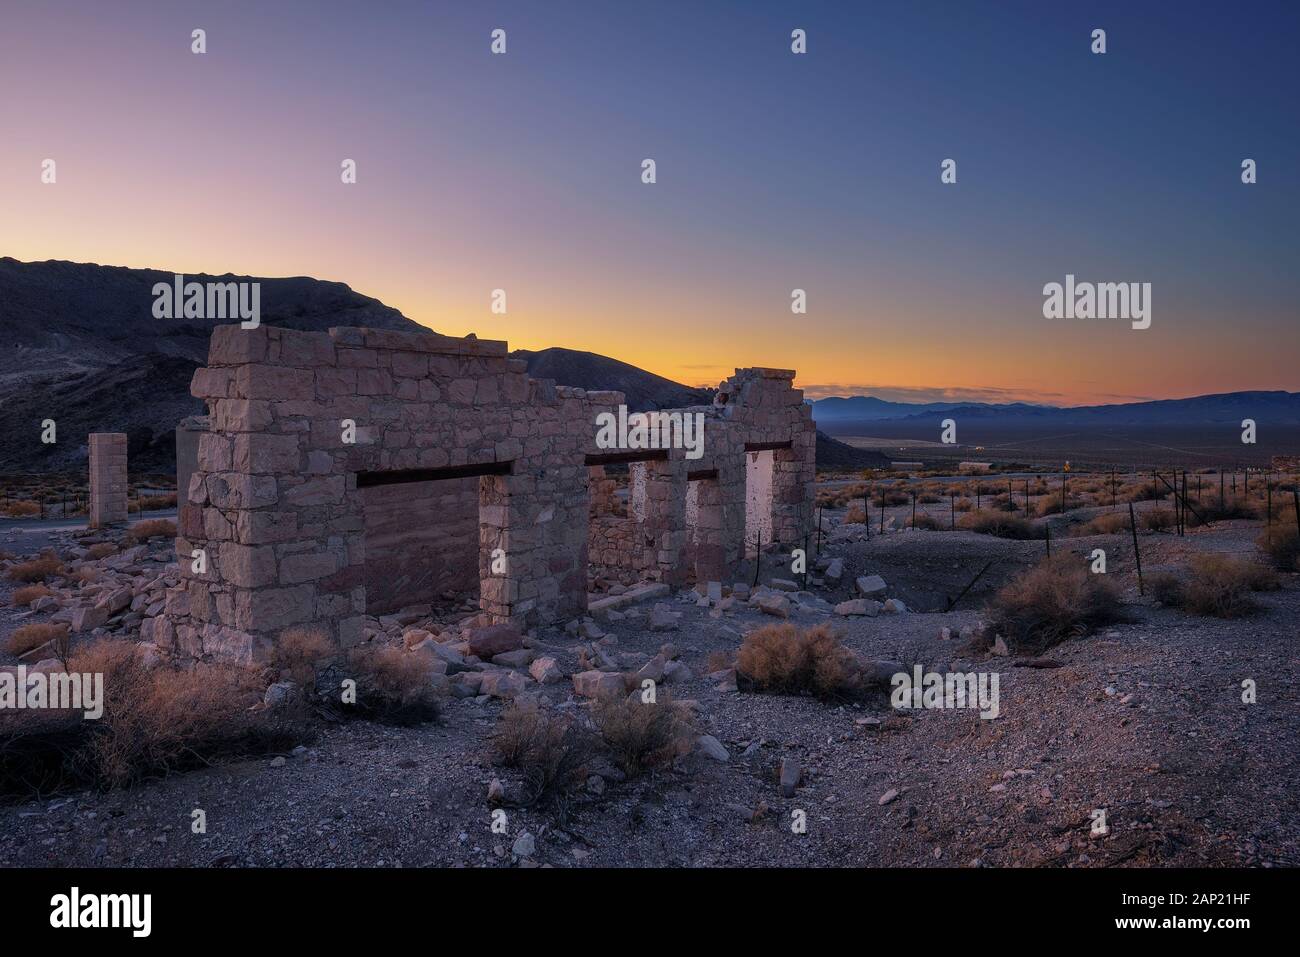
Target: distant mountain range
(79,344)
(1275,408)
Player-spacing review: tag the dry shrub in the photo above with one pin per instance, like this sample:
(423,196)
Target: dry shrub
(550,751)
(1282,546)
(1143,492)
(856,514)
(1001,525)
(1109,524)
(891,498)
(720,661)
(925,522)
(927,498)
(21,509)
(299,652)
(152,528)
(641,736)
(962,505)
(393,687)
(36,569)
(1158,519)
(158,720)
(29,593)
(782,659)
(1051,504)
(1221,585)
(149,503)
(1212,510)
(101,550)
(1166,588)
(1058,598)
(25,638)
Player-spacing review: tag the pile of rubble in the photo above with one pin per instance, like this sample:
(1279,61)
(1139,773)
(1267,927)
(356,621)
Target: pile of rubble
(109,585)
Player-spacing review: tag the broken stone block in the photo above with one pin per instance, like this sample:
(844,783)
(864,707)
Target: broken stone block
(546,670)
(790,773)
(494,640)
(711,747)
(676,672)
(115,601)
(894,606)
(466,684)
(777,605)
(858,606)
(88,619)
(519,658)
(871,586)
(598,684)
(784,584)
(652,669)
(662,619)
(502,684)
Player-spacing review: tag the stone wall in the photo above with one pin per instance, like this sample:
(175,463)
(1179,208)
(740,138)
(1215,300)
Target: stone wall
(421,542)
(303,427)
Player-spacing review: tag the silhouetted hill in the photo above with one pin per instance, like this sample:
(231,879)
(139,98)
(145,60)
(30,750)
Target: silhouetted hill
(643,391)
(79,344)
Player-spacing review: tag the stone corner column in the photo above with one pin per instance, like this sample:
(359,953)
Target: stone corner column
(107,479)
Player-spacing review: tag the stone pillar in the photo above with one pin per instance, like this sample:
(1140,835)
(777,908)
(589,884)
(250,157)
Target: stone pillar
(187,452)
(709,544)
(107,479)
(658,504)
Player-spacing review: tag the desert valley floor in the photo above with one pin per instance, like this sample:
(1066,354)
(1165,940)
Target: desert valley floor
(1142,718)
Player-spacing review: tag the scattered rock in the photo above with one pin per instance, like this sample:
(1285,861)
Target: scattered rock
(486,643)
(525,845)
(790,773)
(598,684)
(546,670)
(858,606)
(712,747)
(871,586)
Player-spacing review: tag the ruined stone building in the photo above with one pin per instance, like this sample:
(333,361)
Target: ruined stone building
(361,470)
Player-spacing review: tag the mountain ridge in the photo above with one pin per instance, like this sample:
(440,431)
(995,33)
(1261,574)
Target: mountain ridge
(81,347)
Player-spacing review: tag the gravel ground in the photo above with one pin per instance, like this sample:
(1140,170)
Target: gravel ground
(1144,721)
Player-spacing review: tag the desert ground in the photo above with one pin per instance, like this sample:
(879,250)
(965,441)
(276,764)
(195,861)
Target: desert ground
(524,749)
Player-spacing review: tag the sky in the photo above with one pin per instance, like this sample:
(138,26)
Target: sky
(775,171)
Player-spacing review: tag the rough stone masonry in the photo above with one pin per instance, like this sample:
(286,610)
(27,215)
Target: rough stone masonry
(108,483)
(272,527)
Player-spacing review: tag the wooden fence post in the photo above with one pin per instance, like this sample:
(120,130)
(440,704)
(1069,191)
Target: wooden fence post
(1137,554)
